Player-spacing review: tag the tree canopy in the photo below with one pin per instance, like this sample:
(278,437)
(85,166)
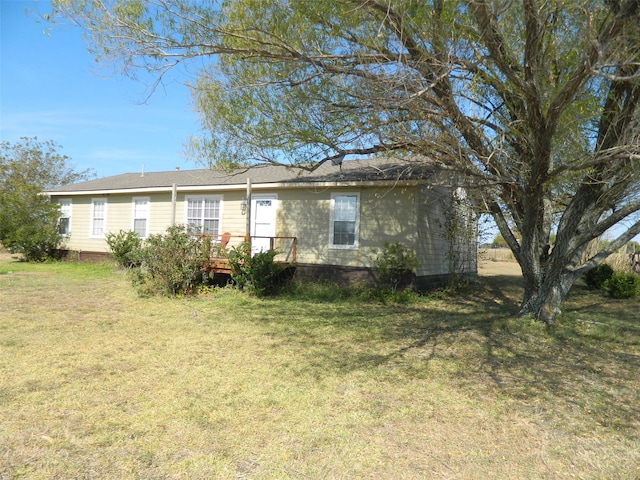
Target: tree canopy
(28,220)
(534,103)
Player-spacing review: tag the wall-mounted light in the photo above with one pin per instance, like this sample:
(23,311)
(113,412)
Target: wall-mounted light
(243,206)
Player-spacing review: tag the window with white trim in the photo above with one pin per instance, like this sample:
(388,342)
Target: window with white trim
(140,216)
(345,219)
(64,221)
(203,213)
(98,217)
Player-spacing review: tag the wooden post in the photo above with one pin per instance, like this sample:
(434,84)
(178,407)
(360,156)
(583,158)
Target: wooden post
(247,236)
(174,199)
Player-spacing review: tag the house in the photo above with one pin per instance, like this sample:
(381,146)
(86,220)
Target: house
(332,219)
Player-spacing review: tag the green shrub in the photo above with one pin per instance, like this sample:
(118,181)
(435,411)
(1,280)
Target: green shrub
(623,285)
(596,277)
(125,247)
(394,265)
(170,263)
(257,273)
(36,242)
(30,222)
(30,227)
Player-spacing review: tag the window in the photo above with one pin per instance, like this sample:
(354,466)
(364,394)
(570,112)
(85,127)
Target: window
(141,216)
(203,213)
(98,217)
(344,220)
(64,222)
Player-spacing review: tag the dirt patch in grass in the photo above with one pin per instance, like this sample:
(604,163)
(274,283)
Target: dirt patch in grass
(6,256)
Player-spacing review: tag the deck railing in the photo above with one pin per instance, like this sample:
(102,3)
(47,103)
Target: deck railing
(220,244)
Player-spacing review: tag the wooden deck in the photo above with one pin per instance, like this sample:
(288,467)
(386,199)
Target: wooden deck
(221,244)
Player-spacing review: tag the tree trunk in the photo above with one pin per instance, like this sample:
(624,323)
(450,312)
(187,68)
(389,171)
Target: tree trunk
(544,295)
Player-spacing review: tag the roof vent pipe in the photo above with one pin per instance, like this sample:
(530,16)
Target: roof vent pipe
(142,174)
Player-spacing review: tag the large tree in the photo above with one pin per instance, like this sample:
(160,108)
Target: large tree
(28,220)
(535,103)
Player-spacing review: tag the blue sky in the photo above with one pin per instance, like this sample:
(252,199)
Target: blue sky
(51,88)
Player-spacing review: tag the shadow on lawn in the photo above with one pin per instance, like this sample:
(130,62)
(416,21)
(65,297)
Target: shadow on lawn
(585,367)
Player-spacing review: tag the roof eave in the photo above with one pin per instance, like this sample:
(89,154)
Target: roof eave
(238,187)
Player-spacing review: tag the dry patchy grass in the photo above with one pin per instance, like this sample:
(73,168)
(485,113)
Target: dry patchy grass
(97,383)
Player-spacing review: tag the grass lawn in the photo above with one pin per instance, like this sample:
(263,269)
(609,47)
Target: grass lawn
(97,383)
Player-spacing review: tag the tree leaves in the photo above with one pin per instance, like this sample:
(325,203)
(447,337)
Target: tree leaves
(28,220)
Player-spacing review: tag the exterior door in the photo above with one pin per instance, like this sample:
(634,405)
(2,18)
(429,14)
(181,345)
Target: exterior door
(263,222)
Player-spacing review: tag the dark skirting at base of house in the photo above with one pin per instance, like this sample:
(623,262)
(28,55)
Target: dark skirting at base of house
(341,275)
(347,276)
(84,256)
(351,276)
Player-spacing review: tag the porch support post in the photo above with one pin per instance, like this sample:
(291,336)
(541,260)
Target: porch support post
(247,236)
(174,199)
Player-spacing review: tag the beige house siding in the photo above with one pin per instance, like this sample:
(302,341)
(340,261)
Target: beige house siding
(80,236)
(397,202)
(433,246)
(386,214)
(411,215)
(440,252)
(119,213)
(159,212)
(120,216)
(232,219)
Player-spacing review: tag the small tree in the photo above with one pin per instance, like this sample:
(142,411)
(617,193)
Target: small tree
(623,285)
(394,265)
(28,225)
(170,263)
(257,273)
(499,242)
(28,220)
(598,276)
(125,247)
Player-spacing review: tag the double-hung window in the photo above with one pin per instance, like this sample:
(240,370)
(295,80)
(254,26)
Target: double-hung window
(345,219)
(203,214)
(98,217)
(64,222)
(141,216)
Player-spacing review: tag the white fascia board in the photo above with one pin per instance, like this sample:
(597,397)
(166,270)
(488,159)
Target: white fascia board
(133,191)
(351,184)
(220,188)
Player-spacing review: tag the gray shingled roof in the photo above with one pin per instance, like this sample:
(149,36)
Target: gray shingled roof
(349,171)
